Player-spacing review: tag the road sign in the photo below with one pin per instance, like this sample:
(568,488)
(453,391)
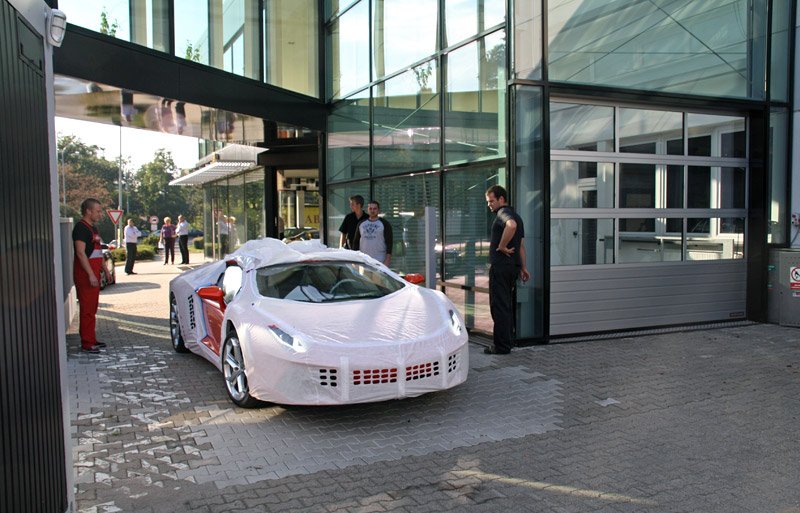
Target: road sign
(115,215)
(794,278)
(153,219)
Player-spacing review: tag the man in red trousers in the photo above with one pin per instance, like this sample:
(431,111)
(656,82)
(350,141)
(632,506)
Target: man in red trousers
(86,271)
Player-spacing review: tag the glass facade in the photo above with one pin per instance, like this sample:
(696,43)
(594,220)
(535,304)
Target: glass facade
(273,41)
(715,47)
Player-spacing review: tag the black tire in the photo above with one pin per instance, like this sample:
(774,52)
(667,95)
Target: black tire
(175,326)
(233,372)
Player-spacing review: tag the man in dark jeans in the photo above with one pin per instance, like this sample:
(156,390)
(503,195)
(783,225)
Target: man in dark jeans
(132,235)
(507,261)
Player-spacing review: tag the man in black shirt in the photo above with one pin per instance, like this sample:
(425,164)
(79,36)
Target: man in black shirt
(350,222)
(507,261)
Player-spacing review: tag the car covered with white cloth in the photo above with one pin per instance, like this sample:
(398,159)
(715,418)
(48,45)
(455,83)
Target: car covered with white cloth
(301,323)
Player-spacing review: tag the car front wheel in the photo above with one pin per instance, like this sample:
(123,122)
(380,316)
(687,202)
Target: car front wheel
(234,372)
(175,326)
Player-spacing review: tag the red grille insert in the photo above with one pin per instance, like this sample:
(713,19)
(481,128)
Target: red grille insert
(422,371)
(374,376)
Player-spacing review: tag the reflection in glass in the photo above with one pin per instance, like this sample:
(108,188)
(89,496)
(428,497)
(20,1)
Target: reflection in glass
(348,51)
(781,30)
(715,239)
(643,245)
(254,205)
(732,187)
(716,47)
(110,17)
(221,35)
(338,205)
(466,241)
(291,50)
(404,32)
(637,186)
(716,136)
(581,127)
(581,241)
(699,187)
(581,184)
(777,204)
(403,201)
(649,131)
(527,40)
(466,18)
(406,130)
(236,217)
(334,7)
(348,140)
(475,101)
(674,199)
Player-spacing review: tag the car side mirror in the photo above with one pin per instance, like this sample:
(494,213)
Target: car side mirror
(414,278)
(213,293)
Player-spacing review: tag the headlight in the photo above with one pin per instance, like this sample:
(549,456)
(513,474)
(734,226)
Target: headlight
(290,340)
(455,324)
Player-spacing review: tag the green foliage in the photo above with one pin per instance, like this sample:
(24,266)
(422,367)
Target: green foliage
(119,254)
(198,242)
(105,27)
(191,53)
(145,252)
(151,240)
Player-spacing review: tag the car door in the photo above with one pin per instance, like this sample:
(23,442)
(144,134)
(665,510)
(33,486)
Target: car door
(227,286)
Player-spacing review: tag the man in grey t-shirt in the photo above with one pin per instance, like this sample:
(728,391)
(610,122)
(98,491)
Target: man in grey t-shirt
(374,235)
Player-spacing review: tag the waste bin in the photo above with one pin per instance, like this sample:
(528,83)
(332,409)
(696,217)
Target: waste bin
(783,287)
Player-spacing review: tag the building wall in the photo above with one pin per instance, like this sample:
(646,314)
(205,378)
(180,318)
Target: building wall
(34,461)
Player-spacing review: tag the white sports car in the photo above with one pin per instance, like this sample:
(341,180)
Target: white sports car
(304,324)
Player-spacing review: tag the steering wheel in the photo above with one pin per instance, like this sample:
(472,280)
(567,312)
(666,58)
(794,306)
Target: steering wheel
(336,285)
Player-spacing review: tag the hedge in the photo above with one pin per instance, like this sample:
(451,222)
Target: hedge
(197,242)
(143,252)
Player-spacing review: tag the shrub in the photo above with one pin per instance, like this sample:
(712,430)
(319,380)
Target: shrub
(151,240)
(119,254)
(145,252)
(198,242)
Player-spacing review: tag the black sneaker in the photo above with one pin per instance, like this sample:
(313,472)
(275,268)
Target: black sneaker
(100,344)
(93,349)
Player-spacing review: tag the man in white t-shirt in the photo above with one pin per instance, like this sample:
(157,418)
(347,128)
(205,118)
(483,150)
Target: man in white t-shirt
(374,235)
(132,235)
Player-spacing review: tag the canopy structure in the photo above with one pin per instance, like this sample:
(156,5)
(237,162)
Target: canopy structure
(228,161)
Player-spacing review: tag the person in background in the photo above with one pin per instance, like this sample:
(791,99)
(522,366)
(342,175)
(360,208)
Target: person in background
(374,235)
(233,234)
(86,271)
(168,239)
(182,231)
(350,222)
(506,263)
(222,230)
(132,235)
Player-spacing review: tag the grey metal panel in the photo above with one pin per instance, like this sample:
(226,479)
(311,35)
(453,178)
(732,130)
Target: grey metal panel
(32,467)
(589,299)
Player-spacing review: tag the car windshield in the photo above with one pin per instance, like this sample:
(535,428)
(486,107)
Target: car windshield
(324,281)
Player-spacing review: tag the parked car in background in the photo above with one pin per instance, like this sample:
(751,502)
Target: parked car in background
(295,324)
(194,232)
(108,263)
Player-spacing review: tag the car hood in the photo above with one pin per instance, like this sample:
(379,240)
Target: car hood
(410,314)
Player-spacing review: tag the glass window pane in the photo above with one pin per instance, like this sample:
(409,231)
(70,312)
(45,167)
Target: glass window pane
(581,127)
(348,51)
(404,32)
(637,186)
(466,241)
(348,140)
(581,241)
(781,31)
(777,205)
(403,201)
(476,101)
(581,184)
(338,204)
(649,131)
(334,7)
(716,136)
(110,17)
(236,218)
(707,48)
(638,242)
(732,187)
(256,227)
(699,187)
(715,239)
(291,59)
(528,39)
(221,35)
(466,18)
(674,190)
(406,122)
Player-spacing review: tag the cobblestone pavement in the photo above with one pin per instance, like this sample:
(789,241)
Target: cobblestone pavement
(695,421)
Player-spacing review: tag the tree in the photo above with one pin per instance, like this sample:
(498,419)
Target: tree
(192,53)
(153,191)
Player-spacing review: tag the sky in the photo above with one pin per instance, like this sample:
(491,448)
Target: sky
(138,146)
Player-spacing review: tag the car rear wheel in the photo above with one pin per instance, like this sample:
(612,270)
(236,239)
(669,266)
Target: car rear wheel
(175,326)
(233,370)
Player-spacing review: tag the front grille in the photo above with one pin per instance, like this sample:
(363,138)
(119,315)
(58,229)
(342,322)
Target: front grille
(422,371)
(327,377)
(374,376)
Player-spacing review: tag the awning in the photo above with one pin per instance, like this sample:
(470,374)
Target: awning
(216,166)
